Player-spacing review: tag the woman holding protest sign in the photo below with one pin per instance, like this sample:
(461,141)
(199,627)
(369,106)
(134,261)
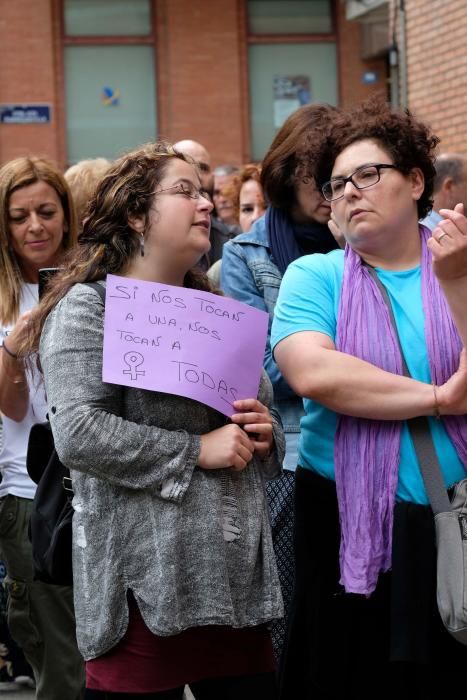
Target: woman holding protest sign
(175,578)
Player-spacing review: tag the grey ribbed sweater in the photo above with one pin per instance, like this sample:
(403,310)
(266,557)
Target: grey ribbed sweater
(194,546)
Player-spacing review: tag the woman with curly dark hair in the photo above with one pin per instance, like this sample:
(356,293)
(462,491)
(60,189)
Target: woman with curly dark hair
(365,622)
(173,566)
(295,224)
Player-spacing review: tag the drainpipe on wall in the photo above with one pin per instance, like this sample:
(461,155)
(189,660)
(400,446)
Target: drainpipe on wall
(402,56)
(394,75)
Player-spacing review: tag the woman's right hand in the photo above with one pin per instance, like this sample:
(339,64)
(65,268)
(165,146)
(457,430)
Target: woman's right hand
(225,447)
(17,336)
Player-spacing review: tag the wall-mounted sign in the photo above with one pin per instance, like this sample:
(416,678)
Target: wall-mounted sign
(290,92)
(25,114)
(110,97)
(370,77)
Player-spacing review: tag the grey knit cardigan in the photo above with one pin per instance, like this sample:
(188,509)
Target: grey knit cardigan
(194,546)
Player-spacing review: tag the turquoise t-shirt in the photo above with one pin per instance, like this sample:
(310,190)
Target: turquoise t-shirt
(308,301)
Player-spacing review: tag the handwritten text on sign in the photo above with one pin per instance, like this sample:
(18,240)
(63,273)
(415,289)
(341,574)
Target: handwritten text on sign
(182,341)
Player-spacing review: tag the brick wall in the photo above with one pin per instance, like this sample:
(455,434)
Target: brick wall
(202,94)
(27,75)
(351,66)
(437,68)
(202,73)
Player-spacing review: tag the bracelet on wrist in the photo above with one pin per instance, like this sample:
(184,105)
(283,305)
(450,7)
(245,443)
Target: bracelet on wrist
(9,352)
(436,411)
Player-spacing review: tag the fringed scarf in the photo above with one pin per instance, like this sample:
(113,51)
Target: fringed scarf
(289,241)
(367,451)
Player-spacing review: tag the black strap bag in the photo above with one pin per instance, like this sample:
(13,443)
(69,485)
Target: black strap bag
(50,527)
(52,512)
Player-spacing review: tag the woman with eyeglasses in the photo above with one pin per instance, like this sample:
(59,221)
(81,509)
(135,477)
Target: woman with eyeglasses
(295,224)
(365,622)
(174,573)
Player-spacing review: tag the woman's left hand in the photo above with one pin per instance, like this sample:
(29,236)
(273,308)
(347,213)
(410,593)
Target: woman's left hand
(448,245)
(256,420)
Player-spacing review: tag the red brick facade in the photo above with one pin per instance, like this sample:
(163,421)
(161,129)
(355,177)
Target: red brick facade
(351,67)
(437,68)
(28,75)
(202,73)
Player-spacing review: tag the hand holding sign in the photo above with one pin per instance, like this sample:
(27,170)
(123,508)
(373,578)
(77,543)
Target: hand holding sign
(182,341)
(231,446)
(257,422)
(225,447)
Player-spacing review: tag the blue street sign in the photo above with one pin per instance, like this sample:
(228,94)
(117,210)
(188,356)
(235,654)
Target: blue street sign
(25,114)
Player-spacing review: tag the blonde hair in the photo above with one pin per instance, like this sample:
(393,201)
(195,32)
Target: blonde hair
(15,174)
(83,178)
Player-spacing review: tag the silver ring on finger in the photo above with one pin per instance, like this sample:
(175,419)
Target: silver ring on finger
(445,233)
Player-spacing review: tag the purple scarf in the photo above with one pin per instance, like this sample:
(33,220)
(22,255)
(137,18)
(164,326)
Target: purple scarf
(367,451)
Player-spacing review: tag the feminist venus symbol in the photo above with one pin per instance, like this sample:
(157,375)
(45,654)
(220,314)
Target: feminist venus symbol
(133,359)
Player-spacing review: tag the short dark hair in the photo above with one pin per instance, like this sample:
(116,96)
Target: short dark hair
(409,142)
(290,156)
(449,165)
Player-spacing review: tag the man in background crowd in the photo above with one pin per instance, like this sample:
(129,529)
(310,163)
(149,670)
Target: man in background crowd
(450,186)
(220,232)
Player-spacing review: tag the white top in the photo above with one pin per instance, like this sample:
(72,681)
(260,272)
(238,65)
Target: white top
(15,479)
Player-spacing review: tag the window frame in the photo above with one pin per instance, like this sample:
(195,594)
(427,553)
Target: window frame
(250,39)
(65,40)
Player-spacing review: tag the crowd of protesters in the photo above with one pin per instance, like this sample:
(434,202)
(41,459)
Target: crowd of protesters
(351,236)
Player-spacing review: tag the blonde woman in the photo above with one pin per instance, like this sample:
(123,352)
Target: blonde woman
(37,225)
(83,178)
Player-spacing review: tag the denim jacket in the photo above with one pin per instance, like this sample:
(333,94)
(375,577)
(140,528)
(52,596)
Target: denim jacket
(249,275)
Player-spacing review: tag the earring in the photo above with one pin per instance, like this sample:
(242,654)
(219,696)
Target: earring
(141,244)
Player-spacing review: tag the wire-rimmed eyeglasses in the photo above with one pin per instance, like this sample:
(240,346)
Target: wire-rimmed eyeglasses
(362,177)
(185,190)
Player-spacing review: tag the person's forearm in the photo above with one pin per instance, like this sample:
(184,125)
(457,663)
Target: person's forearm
(14,391)
(351,386)
(455,292)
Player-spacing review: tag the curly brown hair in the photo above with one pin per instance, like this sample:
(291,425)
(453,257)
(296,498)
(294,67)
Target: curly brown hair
(250,171)
(290,156)
(408,142)
(107,243)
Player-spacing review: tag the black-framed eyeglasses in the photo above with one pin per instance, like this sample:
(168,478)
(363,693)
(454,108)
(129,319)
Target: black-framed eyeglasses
(362,177)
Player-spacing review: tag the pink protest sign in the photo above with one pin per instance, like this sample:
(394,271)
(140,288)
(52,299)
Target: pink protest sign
(182,341)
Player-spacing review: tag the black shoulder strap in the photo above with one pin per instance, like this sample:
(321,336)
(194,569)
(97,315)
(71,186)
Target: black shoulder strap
(420,430)
(99,288)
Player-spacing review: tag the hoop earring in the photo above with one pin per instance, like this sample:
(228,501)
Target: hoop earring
(141,244)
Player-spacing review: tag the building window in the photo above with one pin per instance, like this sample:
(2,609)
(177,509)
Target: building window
(292,62)
(109,68)
(289,17)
